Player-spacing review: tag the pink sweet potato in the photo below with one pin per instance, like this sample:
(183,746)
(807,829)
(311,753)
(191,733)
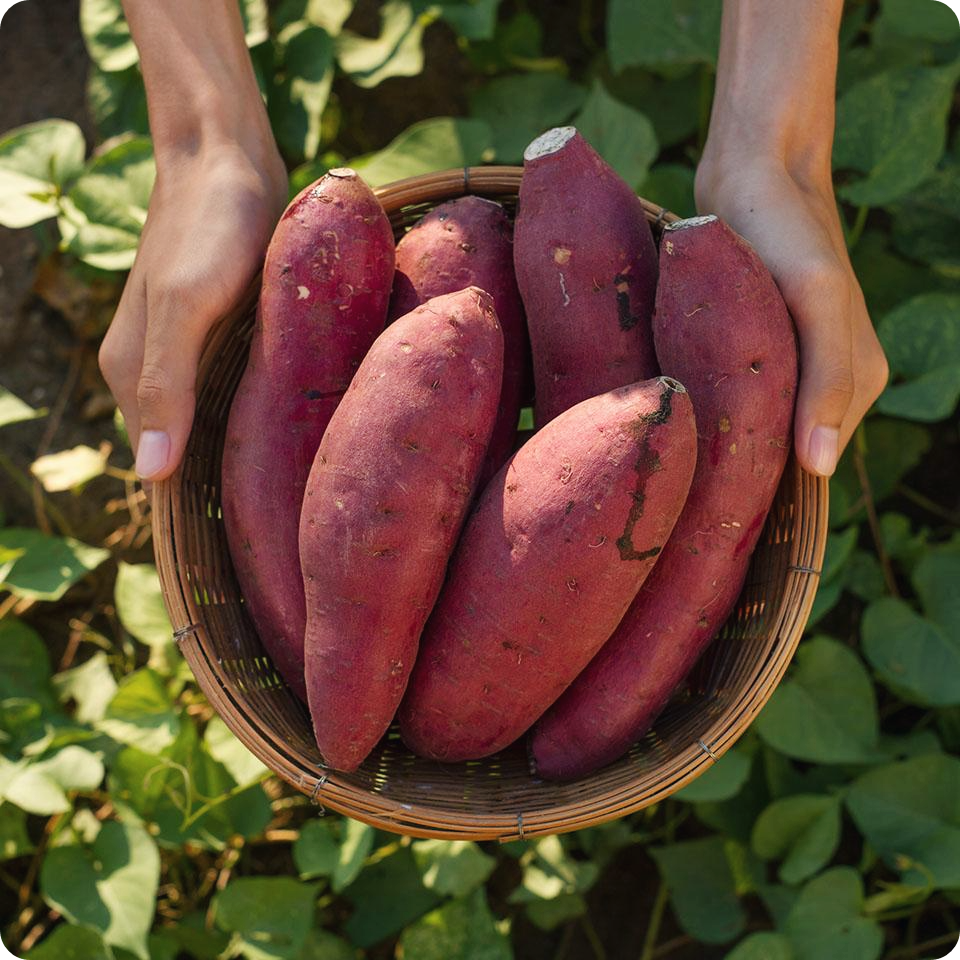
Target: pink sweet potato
(468,242)
(384,503)
(551,557)
(586,266)
(721,325)
(326,286)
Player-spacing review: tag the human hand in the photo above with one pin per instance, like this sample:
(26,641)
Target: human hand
(794,225)
(211,216)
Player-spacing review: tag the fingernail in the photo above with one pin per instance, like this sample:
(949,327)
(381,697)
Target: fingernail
(153,453)
(824,449)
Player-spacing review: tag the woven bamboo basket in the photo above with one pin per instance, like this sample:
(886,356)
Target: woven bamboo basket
(496,798)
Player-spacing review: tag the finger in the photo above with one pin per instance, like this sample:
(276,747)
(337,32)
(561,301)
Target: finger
(166,390)
(121,352)
(821,305)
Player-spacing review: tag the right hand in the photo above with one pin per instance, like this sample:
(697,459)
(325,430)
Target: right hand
(211,216)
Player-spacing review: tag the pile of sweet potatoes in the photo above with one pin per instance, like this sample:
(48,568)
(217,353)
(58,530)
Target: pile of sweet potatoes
(406,555)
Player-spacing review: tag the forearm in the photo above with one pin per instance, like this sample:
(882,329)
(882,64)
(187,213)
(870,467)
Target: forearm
(775,89)
(201,88)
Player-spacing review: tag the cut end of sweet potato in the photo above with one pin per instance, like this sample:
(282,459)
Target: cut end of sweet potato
(675,385)
(342,173)
(690,222)
(549,142)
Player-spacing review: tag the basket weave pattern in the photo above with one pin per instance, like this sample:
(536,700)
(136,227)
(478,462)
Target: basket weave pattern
(495,798)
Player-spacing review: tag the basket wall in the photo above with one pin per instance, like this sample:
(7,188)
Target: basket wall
(497,797)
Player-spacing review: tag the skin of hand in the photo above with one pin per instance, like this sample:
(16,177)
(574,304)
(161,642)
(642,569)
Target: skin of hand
(220,189)
(766,171)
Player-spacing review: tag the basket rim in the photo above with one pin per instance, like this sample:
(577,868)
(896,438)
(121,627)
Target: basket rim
(333,790)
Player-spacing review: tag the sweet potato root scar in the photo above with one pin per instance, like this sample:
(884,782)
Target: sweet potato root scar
(303,293)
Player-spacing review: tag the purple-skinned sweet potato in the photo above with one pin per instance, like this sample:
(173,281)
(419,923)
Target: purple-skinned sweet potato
(462,243)
(384,504)
(548,563)
(722,327)
(326,285)
(586,266)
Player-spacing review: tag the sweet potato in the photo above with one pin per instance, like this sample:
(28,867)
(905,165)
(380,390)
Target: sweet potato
(551,557)
(326,286)
(462,243)
(384,503)
(721,325)
(586,266)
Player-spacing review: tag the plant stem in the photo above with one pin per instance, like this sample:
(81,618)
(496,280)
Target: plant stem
(591,931)
(856,231)
(653,925)
(35,492)
(931,506)
(859,462)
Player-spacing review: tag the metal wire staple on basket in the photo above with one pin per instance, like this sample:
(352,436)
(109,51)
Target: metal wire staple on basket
(496,798)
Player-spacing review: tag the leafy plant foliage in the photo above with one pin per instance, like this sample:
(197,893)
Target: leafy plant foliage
(134,825)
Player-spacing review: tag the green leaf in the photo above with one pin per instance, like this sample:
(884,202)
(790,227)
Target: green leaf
(226,748)
(355,846)
(67,942)
(551,872)
(386,897)
(107,34)
(908,812)
(41,787)
(298,100)
(926,223)
(519,107)
(106,208)
(69,469)
(330,15)
(762,946)
(721,781)
(702,889)
(912,655)
(141,712)
(550,914)
(13,409)
(187,794)
(397,52)
(921,339)
(118,102)
(670,185)
(452,868)
(648,32)
(255,21)
(24,664)
(926,20)
(892,127)
(46,567)
(827,922)
(430,145)
(623,136)
(316,851)
(323,945)
(803,831)
(935,579)
(459,930)
(886,278)
(110,887)
(672,104)
(473,19)
(14,841)
(269,917)
(826,711)
(90,686)
(36,162)
(140,607)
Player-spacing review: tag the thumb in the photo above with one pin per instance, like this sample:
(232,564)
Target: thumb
(166,390)
(823,316)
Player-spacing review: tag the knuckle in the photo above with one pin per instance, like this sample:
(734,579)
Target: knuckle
(152,388)
(837,385)
(112,361)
